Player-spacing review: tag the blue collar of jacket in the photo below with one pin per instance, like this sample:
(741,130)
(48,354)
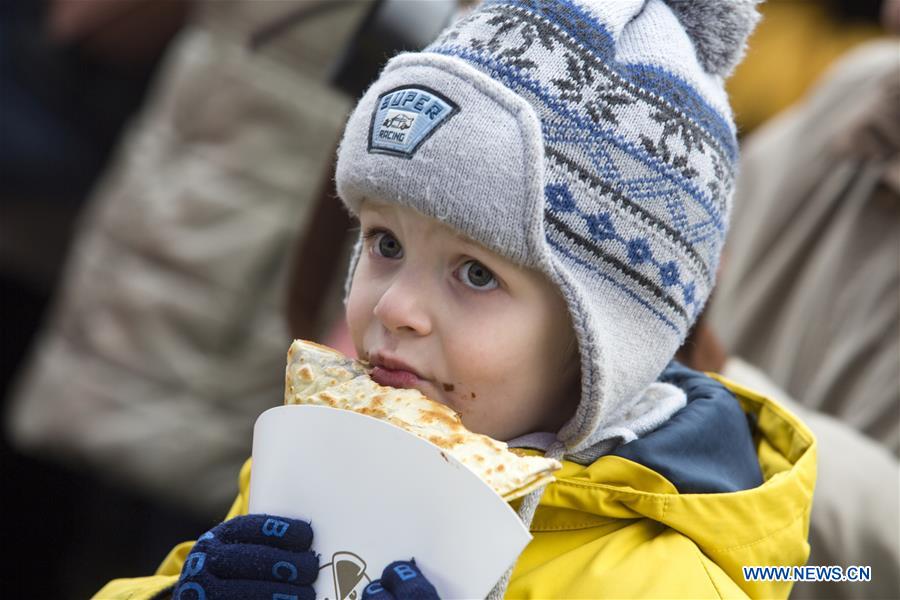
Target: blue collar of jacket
(706,447)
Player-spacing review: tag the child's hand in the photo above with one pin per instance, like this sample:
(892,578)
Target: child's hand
(400,580)
(254,556)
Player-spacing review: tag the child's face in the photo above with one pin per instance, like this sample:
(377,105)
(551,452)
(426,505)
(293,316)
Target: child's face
(486,337)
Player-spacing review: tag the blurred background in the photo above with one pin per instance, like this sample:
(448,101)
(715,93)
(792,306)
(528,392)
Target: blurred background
(168,224)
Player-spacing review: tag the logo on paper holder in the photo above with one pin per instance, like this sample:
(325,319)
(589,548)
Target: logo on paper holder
(348,572)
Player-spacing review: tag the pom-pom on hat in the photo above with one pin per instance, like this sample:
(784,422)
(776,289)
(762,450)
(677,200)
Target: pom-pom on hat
(591,140)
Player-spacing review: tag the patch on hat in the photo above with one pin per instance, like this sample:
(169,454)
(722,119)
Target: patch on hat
(405,117)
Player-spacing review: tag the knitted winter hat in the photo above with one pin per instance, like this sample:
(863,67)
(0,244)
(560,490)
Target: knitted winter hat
(591,140)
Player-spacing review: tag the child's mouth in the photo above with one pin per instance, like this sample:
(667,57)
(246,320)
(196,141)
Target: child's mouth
(392,378)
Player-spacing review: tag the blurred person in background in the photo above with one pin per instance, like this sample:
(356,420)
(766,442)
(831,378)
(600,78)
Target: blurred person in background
(171,313)
(72,73)
(807,306)
(808,287)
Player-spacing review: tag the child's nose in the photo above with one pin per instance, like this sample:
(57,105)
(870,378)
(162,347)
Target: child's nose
(404,307)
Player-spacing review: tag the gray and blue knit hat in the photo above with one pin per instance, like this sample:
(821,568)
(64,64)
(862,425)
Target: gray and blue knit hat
(591,140)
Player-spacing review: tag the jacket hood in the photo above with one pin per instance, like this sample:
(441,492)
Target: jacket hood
(737,478)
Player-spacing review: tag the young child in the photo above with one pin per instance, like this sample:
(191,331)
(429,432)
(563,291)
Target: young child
(543,195)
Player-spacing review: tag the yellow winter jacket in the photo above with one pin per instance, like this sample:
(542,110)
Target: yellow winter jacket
(621,529)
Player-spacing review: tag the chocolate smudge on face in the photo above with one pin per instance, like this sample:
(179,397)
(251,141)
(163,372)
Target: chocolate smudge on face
(448,387)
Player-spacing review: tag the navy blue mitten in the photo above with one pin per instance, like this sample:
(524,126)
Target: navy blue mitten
(400,580)
(254,556)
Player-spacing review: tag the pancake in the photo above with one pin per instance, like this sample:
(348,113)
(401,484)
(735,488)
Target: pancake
(317,375)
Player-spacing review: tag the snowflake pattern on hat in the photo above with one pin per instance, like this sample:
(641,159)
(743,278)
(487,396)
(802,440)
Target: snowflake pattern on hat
(653,172)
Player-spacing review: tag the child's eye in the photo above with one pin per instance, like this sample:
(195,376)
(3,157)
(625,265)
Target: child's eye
(477,276)
(385,244)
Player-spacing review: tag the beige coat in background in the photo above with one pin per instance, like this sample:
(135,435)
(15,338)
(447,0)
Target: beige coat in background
(809,289)
(168,338)
(809,293)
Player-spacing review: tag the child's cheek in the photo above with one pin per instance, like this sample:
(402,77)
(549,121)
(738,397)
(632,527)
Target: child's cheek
(462,395)
(358,314)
